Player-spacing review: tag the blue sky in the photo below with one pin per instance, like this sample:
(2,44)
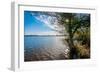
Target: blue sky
(33,23)
(36,22)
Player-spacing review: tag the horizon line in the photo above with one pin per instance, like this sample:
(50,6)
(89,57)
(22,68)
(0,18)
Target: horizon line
(45,35)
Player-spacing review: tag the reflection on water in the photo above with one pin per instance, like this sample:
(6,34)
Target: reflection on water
(44,48)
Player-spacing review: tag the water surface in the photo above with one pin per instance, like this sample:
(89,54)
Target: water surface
(44,47)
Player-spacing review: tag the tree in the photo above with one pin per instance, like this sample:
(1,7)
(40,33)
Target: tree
(74,22)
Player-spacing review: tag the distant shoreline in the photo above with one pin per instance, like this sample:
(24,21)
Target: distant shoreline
(44,35)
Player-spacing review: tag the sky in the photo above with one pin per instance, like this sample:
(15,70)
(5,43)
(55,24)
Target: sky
(40,23)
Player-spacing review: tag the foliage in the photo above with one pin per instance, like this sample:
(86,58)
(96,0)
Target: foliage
(78,28)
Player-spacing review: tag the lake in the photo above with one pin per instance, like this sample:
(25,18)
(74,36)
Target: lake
(38,48)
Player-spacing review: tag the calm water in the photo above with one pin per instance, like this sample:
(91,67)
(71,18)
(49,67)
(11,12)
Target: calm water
(38,42)
(52,45)
(42,42)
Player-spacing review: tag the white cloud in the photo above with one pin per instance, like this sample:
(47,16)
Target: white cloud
(46,20)
(49,21)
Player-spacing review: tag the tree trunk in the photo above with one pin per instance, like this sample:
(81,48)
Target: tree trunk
(73,52)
